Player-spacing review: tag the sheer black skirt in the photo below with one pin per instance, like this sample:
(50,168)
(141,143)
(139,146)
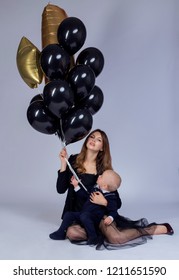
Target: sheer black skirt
(122,233)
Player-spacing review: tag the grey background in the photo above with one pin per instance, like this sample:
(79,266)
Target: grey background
(140,43)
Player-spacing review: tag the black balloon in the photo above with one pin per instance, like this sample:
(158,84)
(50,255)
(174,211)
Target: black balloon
(94,101)
(37,97)
(58,97)
(40,118)
(71,34)
(76,126)
(92,57)
(82,80)
(55,62)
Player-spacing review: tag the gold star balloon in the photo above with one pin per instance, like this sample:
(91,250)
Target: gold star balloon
(28,57)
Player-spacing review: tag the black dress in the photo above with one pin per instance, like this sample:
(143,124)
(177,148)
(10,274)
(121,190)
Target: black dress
(73,204)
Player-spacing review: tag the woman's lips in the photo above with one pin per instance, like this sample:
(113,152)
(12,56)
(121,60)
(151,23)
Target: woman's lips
(92,144)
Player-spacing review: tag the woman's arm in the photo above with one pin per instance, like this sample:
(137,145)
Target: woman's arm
(64,175)
(62,181)
(63,156)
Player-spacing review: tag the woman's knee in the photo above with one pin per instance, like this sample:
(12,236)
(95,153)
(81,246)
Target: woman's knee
(116,238)
(76,232)
(72,233)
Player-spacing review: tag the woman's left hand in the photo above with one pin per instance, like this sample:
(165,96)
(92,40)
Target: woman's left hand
(98,198)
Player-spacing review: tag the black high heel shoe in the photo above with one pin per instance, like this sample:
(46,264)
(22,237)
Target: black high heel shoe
(170,230)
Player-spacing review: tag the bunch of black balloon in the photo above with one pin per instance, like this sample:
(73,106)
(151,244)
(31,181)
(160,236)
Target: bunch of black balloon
(70,98)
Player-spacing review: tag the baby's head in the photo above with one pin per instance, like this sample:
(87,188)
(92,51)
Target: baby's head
(109,180)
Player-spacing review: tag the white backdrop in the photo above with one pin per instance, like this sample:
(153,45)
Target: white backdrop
(139,41)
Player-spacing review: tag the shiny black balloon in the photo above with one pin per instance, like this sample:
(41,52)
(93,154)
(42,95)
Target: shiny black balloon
(55,62)
(71,34)
(92,57)
(94,101)
(58,97)
(76,126)
(40,118)
(82,80)
(37,97)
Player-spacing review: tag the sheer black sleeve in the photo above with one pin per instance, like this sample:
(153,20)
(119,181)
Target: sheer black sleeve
(63,179)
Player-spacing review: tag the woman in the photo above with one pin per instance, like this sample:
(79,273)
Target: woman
(93,159)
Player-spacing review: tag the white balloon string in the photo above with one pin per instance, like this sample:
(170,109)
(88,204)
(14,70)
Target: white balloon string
(69,165)
(62,134)
(75,175)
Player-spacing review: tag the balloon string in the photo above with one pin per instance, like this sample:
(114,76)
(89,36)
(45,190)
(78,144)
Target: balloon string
(75,175)
(69,165)
(62,133)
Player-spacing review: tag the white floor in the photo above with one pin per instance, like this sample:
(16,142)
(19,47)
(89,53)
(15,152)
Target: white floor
(25,228)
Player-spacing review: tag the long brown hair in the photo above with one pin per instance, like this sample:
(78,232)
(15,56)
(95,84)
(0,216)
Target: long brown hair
(103,159)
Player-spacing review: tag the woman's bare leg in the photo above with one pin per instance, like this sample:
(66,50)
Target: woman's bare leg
(116,236)
(76,233)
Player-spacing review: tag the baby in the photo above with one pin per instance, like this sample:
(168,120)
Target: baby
(91,213)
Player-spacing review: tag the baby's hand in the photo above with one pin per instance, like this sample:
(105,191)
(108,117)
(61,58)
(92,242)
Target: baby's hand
(74,181)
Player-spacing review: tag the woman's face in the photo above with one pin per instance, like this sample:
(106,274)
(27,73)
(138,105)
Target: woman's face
(95,142)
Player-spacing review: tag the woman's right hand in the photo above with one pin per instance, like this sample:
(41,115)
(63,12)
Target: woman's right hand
(63,156)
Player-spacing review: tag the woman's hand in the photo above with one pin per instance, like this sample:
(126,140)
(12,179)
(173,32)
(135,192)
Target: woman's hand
(98,198)
(108,220)
(63,156)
